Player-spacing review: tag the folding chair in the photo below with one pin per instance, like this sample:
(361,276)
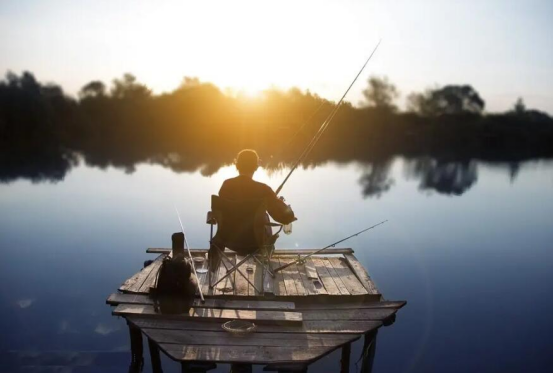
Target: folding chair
(243,227)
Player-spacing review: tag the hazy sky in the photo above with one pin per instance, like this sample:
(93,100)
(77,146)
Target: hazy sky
(503,48)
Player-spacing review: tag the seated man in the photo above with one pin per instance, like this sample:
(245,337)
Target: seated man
(243,187)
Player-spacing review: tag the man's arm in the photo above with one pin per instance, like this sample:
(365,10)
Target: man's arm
(279,210)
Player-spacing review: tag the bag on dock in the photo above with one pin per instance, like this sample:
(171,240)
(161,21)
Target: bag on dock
(175,287)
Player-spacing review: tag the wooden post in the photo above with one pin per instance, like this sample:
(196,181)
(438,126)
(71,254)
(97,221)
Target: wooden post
(369,348)
(344,362)
(178,244)
(137,353)
(154,357)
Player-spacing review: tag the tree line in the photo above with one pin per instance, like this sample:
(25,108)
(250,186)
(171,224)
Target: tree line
(44,132)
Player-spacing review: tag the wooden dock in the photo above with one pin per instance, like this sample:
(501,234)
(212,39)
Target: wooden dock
(315,308)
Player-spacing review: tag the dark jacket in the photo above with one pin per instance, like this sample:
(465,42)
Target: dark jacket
(244,187)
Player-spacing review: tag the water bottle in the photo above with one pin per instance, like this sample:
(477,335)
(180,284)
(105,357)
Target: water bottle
(287,229)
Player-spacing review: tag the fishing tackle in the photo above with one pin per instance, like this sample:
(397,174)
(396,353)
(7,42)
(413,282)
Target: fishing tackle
(301,260)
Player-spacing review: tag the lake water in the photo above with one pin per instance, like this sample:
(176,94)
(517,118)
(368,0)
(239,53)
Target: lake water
(475,265)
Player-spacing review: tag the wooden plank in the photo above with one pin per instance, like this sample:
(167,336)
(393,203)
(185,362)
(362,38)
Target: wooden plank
(337,280)
(254,275)
(278,281)
(323,327)
(202,277)
(117,298)
(352,305)
(310,269)
(348,278)
(133,284)
(213,314)
(376,314)
(308,285)
(150,281)
(326,278)
(225,287)
(338,250)
(214,277)
(289,279)
(223,338)
(240,283)
(268,282)
(243,354)
(313,276)
(361,273)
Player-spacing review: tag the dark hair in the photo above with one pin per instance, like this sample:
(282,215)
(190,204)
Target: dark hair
(247,161)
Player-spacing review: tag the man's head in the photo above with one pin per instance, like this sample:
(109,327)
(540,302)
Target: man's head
(247,162)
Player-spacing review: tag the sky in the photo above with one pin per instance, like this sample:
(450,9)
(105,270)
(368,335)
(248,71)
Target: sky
(503,48)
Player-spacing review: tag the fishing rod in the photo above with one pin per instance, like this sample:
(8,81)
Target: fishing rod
(190,256)
(325,124)
(301,260)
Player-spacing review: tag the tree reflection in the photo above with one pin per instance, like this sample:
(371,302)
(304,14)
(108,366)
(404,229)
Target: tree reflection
(198,128)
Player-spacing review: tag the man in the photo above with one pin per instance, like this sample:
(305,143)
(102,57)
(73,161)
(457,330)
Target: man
(243,187)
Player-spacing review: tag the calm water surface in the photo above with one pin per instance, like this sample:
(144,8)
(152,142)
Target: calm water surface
(475,268)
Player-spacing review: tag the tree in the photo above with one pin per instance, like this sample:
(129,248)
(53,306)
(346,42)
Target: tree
(519,107)
(451,99)
(128,87)
(93,89)
(381,94)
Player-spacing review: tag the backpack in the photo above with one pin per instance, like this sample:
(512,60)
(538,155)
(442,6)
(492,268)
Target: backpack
(175,287)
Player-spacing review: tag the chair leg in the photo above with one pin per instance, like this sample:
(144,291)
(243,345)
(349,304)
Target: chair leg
(237,269)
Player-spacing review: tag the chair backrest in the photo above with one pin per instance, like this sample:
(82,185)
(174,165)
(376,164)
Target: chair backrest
(241,224)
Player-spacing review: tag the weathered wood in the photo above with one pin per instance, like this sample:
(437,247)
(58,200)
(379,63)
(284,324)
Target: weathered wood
(337,280)
(313,275)
(222,338)
(133,284)
(117,298)
(344,360)
(250,354)
(347,304)
(289,277)
(268,281)
(378,314)
(350,281)
(369,349)
(202,277)
(308,285)
(225,287)
(212,314)
(310,269)
(254,275)
(326,278)
(318,327)
(361,273)
(279,287)
(154,356)
(157,250)
(151,280)
(240,283)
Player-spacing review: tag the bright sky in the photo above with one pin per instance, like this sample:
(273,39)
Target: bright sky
(501,47)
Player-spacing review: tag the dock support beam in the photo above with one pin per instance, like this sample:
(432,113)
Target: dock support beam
(154,357)
(137,353)
(369,349)
(344,361)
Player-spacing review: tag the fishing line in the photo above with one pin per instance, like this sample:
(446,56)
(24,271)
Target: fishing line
(190,256)
(325,124)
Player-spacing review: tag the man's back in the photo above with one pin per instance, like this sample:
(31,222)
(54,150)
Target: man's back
(243,187)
